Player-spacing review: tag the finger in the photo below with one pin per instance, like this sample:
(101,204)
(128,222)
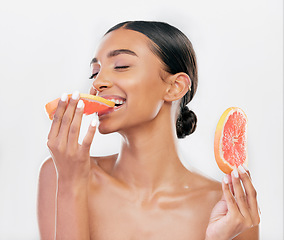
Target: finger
(68,116)
(230,200)
(230,184)
(76,125)
(251,195)
(93,91)
(87,141)
(246,170)
(57,118)
(240,194)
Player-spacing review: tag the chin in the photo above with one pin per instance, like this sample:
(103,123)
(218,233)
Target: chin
(103,130)
(106,128)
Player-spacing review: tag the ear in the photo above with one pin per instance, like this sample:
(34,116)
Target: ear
(179,85)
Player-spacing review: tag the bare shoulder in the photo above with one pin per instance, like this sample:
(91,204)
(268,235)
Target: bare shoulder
(46,198)
(47,179)
(47,175)
(47,167)
(105,163)
(208,188)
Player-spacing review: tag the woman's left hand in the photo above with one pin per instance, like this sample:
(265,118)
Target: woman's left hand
(237,211)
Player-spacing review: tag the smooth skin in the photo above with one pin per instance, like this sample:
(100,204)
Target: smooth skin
(144,192)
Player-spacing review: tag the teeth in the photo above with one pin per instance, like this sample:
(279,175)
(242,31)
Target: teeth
(117,101)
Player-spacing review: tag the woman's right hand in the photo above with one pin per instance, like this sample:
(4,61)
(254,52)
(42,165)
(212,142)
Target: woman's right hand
(72,160)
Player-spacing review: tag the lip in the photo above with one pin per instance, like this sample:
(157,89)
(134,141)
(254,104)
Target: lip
(102,113)
(115,97)
(115,108)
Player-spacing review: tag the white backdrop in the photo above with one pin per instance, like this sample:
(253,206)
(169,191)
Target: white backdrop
(45,50)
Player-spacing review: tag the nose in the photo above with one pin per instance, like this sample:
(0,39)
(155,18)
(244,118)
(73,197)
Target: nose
(101,83)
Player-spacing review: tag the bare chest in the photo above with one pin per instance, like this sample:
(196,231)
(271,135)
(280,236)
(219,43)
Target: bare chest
(116,217)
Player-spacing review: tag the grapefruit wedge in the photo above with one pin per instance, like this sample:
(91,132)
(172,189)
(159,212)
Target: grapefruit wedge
(230,143)
(92,104)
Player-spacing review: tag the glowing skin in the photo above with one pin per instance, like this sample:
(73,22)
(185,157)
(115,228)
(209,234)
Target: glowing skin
(139,82)
(144,192)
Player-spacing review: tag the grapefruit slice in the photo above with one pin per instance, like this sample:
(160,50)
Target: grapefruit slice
(92,104)
(230,143)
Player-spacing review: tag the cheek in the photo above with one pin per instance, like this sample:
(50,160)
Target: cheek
(145,82)
(146,98)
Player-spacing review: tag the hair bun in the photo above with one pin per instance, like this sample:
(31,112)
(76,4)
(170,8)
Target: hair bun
(186,122)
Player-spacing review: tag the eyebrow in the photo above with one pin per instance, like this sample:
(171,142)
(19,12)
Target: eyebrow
(115,53)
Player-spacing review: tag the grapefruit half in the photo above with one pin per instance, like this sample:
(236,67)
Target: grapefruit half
(230,143)
(92,104)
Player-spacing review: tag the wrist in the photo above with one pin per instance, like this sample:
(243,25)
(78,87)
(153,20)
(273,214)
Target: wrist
(216,238)
(72,187)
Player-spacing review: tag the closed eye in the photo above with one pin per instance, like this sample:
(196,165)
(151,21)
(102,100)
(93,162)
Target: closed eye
(93,75)
(121,67)
(117,67)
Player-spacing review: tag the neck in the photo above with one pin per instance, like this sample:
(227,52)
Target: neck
(149,159)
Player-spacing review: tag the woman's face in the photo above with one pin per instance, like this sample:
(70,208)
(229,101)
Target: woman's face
(126,70)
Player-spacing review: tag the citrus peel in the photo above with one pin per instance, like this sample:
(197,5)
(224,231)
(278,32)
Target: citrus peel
(92,104)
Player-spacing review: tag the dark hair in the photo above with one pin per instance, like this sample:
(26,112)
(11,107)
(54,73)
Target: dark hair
(176,52)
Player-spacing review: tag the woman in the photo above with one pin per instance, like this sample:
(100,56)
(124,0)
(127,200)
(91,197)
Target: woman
(144,192)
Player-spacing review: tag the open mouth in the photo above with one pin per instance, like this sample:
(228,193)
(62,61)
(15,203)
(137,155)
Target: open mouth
(119,102)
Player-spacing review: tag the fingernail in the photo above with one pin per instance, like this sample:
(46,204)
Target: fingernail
(226,180)
(64,97)
(94,122)
(235,173)
(75,95)
(80,104)
(241,168)
(245,167)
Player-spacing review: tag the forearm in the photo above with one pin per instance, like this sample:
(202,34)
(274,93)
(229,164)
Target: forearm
(72,219)
(251,234)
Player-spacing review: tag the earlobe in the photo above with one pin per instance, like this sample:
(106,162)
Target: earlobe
(179,85)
